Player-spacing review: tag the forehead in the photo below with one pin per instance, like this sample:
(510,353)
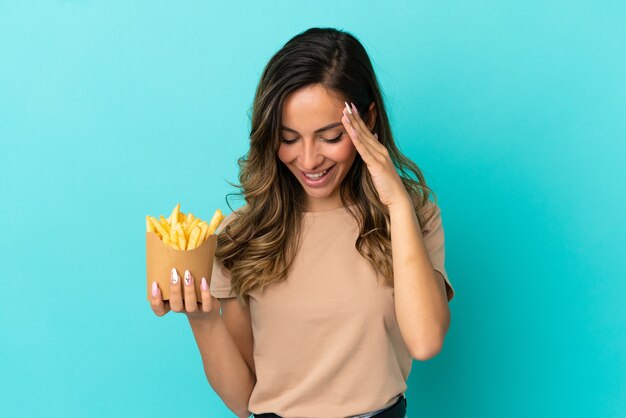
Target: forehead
(310,108)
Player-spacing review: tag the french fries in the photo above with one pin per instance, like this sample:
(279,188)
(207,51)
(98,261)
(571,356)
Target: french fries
(183,231)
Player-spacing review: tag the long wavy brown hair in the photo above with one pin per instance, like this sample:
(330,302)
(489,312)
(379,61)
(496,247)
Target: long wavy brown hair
(259,244)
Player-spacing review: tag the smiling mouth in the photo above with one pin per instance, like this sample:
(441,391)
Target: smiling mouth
(319,175)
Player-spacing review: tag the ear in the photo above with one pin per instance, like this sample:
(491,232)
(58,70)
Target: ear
(372,116)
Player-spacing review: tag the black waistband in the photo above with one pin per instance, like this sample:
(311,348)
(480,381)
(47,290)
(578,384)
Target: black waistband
(397,410)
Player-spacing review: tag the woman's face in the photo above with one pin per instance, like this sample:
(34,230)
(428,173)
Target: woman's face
(314,140)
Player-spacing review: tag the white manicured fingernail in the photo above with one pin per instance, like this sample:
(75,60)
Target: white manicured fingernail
(348,108)
(155,289)
(187,277)
(205,286)
(174,276)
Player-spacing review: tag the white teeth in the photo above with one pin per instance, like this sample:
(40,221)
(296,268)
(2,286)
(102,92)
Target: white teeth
(316,176)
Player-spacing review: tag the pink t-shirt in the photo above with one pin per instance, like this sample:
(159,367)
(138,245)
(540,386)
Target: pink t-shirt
(326,340)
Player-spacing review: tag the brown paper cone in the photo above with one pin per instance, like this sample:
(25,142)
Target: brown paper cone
(161,258)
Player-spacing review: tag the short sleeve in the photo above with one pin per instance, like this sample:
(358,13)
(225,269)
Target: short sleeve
(432,232)
(220,276)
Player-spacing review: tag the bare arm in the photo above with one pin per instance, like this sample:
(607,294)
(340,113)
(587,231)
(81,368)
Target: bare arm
(227,372)
(420,295)
(224,366)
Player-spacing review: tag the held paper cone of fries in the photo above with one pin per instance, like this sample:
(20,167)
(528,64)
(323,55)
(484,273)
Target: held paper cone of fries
(181,241)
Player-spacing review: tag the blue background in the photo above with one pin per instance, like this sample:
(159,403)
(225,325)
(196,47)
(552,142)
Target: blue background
(515,111)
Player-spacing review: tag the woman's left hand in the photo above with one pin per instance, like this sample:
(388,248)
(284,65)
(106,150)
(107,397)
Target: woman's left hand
(384,175)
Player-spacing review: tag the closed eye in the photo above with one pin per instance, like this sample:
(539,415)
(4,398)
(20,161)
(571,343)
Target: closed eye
(330,141)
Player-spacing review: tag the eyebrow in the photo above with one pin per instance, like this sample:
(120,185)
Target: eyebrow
(322,129)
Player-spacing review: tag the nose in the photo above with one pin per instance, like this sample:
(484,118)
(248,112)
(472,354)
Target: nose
(311,158)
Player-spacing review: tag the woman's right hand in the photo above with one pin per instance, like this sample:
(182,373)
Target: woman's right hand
(207,308)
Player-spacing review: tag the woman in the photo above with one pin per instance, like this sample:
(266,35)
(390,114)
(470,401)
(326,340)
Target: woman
(318,319)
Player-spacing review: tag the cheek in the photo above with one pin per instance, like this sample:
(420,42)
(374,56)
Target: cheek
(284,154)
(344,152)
